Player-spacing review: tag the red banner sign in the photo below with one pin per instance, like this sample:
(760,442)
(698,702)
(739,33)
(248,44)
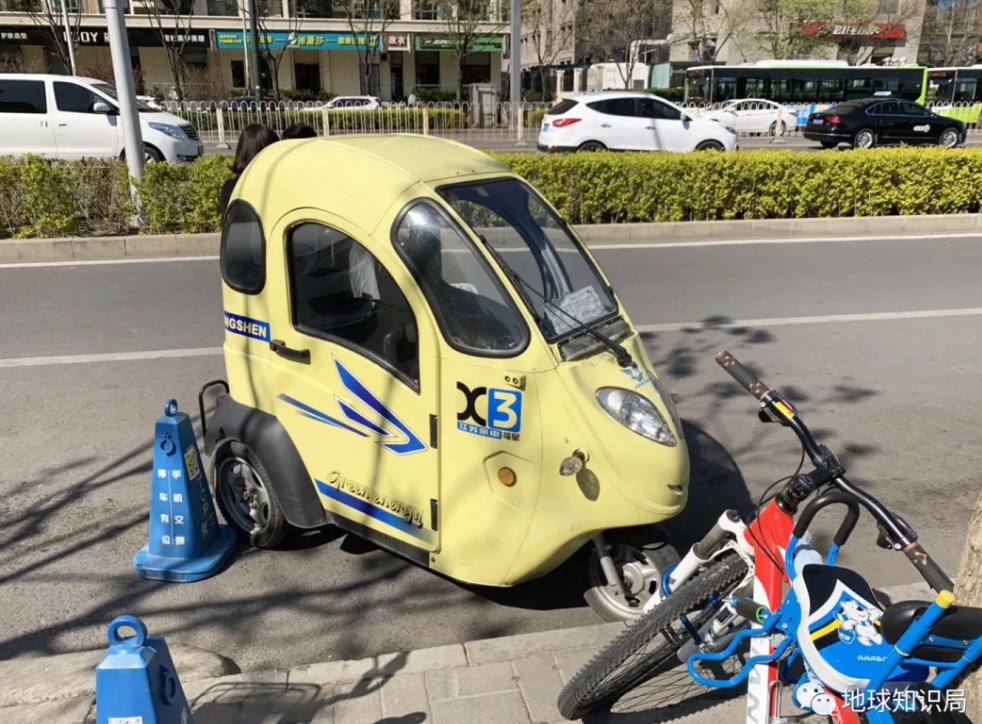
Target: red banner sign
(844,31)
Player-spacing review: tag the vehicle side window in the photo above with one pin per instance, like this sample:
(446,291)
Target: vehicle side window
(22,96)
(650,108)
(912,109)
(243,250)
(615,107)
(890,108)
(340,291)
(74,98)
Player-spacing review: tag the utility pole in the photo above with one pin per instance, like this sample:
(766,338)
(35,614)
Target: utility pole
(515,56)
(119,48)
(257,76)
(245,34)
(69,41)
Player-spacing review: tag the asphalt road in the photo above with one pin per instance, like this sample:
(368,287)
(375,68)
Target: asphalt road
(747,143)
(891,389)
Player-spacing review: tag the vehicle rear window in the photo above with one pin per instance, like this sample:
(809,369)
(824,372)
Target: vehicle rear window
(615,107)
(562,107)
(22,96)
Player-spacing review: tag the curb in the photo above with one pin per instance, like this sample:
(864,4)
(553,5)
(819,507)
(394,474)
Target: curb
(169,246)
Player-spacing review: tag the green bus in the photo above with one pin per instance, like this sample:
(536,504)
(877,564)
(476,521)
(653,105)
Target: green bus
(956,92)
(803,82)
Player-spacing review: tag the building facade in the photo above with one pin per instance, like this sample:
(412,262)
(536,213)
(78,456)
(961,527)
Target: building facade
(316,53)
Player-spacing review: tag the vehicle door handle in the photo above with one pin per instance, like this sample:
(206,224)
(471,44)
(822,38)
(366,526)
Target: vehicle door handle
(294,355)
(62,125)
(605,125)
(649,128)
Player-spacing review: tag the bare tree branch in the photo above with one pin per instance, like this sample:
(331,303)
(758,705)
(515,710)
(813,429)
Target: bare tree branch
(952,32)
(272,55)
(46,14)
(368,21)
(549,24)
(616,29)
(463,20)
(171,22)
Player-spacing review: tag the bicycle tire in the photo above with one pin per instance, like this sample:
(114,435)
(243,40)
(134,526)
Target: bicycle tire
(586,691)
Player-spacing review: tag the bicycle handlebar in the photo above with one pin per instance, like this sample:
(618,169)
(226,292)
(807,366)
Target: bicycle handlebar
(742,375)
(901,534)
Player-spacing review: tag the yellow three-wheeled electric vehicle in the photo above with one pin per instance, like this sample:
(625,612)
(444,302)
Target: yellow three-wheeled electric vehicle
(420,351)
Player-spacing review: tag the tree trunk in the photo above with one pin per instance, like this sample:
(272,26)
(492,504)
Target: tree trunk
(460,79)
(968,592)
(542,83)
(175,67)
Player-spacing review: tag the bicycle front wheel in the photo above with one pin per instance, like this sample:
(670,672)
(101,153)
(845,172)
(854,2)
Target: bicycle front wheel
(649,646)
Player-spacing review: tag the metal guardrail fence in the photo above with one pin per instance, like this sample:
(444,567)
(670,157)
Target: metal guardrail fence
(222,122)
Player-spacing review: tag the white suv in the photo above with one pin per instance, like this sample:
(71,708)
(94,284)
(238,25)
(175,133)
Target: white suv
(624,121)
(62,116)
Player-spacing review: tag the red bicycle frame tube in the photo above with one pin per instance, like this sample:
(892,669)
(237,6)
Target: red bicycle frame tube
(772,528)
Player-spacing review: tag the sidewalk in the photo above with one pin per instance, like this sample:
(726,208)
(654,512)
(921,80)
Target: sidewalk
(509,680)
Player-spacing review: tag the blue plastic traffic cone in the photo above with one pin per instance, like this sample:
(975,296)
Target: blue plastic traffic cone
(136,681)
(186,542)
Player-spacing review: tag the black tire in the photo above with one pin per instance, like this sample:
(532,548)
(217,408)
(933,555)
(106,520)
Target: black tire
(859,140)
(710,146)
(592,146)
(273,528)
(949,138)
(829,144)
(152,154)
(619,668)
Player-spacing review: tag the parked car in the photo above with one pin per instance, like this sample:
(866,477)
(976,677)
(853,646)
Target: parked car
(882,121)
(359,103)
(624,121)
(151,101)
(71,117)
(753,115)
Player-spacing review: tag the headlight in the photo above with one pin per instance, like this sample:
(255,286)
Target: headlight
(172,131)
(636,413)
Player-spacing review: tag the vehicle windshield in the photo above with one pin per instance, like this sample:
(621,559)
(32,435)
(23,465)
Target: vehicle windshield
(110,90)
(512,219)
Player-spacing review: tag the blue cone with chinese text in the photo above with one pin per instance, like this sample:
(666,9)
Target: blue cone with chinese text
(186,542)
(136,680)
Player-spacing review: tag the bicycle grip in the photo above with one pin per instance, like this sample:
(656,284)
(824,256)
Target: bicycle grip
(932,573)
(741,374)
(751,610)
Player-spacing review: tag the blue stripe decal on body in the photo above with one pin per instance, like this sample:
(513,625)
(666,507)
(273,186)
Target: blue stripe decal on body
(310,412)
(379,514)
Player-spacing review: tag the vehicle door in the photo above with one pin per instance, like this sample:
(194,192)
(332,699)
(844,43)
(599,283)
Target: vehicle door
(356,378)
(757,117)
(25,121)
(664,129)
(920,126)
(86,124)
(886,121)
(616,124)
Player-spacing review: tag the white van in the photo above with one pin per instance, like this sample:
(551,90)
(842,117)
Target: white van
(63,116)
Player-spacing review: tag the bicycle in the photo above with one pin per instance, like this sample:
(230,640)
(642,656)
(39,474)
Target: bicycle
(827,636)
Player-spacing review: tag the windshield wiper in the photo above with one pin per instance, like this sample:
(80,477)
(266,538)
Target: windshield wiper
(621,354)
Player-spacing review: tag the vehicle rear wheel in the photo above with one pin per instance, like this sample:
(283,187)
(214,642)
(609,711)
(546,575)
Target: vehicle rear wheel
(864,138)
(246,496)
(949,138)
(649,647)
(710,146)
(641,570)
(829,144)
(592,146)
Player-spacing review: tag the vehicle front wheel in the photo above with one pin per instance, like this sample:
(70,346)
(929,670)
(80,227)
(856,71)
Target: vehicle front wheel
(864,138)
(592,146)
(829,144)
(641,570)
(246,496)
(710,146)
(950,138)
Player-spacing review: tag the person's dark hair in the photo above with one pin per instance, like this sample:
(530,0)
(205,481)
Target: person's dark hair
(253,139)
(299,130)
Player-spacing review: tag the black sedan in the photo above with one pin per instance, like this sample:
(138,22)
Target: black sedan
(881,122)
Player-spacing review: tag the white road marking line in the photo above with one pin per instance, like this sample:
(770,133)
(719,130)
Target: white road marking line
(825,319)
(777,240)
(72,359)
(103,262)
(670,327)
(600,246)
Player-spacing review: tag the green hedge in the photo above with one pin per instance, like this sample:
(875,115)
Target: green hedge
(60,198)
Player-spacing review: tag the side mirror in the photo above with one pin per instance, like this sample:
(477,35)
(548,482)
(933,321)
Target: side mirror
(686,118)
(102,107)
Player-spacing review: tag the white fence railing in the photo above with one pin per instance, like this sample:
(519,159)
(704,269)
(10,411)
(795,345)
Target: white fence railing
(221,123)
